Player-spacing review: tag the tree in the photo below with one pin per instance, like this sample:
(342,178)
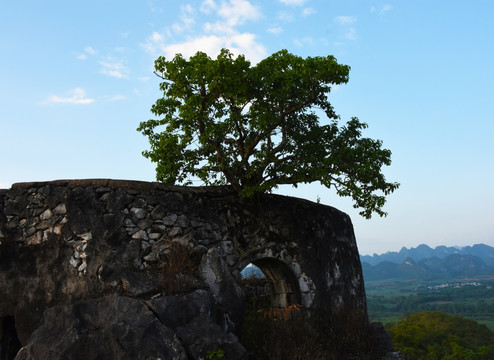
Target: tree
(435,335)
(256,127)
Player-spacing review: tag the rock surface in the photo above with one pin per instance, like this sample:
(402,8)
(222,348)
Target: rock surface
(112,327)
(120,269)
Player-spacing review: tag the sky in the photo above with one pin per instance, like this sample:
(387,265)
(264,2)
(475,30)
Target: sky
(76,79)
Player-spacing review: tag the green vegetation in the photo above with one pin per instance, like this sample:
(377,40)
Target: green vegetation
(224,121)
(216,355)
(391,301)
(435,335)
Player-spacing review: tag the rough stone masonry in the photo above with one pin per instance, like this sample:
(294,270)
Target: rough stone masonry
(120,269)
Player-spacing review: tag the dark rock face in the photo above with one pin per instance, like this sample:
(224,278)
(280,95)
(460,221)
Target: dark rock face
(112,327)
(117,269)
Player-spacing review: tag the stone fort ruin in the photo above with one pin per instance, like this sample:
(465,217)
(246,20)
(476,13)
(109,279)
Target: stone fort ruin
(154,270)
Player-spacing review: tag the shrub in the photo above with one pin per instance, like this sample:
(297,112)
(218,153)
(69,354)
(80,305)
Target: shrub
(176,261)
(277,334)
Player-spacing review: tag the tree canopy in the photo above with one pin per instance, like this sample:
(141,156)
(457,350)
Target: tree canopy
(435,335)
(256,127)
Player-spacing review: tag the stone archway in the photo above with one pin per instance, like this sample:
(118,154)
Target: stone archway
(283,284)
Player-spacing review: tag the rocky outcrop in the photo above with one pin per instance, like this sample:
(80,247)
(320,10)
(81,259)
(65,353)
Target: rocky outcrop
(111,327)
(117,269)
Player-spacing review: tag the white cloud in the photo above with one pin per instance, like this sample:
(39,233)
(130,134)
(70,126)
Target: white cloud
(208,44)
(153,8)
(275,30)
(110,66)
(78,97)
(344,20)
(220,31)
(89,50)
(244,43)
(114,68)
(218,28)
(186,19)
(207,6)
(285,16)
(308,11)
(238,11)
(293,2)
(382,10)
(5,186)
(351,34)
(154,43)
(386,8)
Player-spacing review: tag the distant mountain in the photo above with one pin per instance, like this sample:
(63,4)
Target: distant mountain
(485,252)
(453,266)
(421,252)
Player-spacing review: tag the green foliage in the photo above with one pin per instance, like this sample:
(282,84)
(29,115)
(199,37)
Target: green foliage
(435,335)
(256,127)
(218,354)
(392,302)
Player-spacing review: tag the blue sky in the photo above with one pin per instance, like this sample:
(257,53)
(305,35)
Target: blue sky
(77,78)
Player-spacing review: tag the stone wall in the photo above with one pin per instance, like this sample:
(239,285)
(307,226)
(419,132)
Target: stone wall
(73,252)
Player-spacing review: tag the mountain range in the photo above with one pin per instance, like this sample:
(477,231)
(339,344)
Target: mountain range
(424,262)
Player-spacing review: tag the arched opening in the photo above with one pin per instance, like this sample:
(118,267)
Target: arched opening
(283,284)
(280,279)
(274,324)
(9,342)
(256,288)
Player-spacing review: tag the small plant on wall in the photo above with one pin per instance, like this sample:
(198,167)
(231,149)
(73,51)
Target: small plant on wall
(176,261)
